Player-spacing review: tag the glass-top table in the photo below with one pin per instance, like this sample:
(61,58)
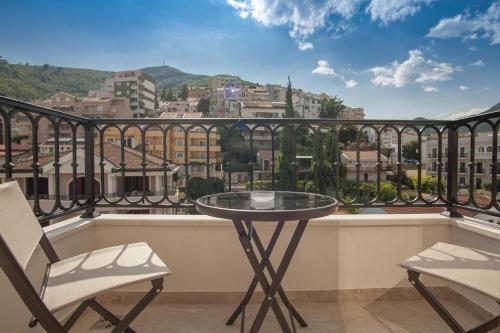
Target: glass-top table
(266,205)
(243,208)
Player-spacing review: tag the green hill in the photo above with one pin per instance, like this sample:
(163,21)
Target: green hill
(29,82)
(170,77)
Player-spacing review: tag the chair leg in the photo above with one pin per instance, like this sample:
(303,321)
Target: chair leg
(413,277)
(139,307)
(75,315)
(106,314)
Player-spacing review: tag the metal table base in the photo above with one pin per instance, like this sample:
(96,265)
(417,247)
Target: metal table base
(273,287)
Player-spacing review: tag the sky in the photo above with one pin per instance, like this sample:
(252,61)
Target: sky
(399,59)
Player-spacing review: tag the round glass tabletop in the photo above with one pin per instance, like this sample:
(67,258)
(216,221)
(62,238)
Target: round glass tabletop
(266,205)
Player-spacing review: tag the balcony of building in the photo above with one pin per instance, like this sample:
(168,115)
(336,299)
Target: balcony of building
(344,276)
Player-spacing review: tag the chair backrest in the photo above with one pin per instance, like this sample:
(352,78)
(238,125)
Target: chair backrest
(19,227)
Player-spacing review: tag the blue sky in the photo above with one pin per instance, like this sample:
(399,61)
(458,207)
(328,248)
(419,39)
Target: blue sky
(397,59)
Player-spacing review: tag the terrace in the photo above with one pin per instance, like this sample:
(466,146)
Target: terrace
(344,277)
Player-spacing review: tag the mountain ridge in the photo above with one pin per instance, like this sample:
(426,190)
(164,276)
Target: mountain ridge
(30,82)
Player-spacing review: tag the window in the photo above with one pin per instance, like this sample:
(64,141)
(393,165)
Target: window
(462,167)
(179,154)
(480,167)
(480,149)
(434,152)
(179,142)
(488,149)
(462,181)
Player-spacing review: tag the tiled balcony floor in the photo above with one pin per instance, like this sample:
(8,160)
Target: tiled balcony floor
(412,316)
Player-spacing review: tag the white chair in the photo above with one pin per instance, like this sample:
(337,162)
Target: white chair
(74,280)
(474,269)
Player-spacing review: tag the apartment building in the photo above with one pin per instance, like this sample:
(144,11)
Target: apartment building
(276,92)
(483,159)
(353,113)
(189,105)
(176,142)
(262,109)
(88,106)
(306,104)
(138,87)
(195,146)
(368,166)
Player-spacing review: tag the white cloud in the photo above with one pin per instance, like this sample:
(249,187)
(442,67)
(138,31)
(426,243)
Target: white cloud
(430,89)
(304,17)
(462,87)
(478,63)
(416,69)
(304,46)
(394,10)
(482,25)
(473,48)
(324,69)
(351,83)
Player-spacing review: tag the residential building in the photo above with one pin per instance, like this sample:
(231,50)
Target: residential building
(368,166)
(307,105)
(139,88)
(482,170)
(88,106)
(189,105)
(352,113)
(65,145)
(261,137)
(276,92)
(17,152)
(175,140)
(195,146)
(112,181)
(262,109)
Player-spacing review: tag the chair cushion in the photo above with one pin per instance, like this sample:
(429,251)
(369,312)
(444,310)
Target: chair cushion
(471,268)
(87,275)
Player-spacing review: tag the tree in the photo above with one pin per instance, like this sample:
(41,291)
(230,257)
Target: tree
(331,107)
(183,94)
(170,96)
(285,159)
(198,187)
(203,106)
(163,95)
(410,150)
(157,105)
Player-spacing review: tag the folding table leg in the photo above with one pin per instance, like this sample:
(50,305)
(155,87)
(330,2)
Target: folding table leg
(272,273)
(253,284)
(280,273)
(259,273)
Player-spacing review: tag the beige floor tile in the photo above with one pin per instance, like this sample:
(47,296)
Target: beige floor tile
(341,317)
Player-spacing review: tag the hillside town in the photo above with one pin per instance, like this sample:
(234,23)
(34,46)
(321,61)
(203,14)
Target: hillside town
(134,94)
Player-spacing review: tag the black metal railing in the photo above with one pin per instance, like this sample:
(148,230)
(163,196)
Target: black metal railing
(121,156)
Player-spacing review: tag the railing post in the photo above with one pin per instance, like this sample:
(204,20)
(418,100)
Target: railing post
(452,178)
(89,171)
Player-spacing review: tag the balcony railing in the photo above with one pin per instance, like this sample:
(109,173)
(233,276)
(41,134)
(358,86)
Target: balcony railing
(323,141)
